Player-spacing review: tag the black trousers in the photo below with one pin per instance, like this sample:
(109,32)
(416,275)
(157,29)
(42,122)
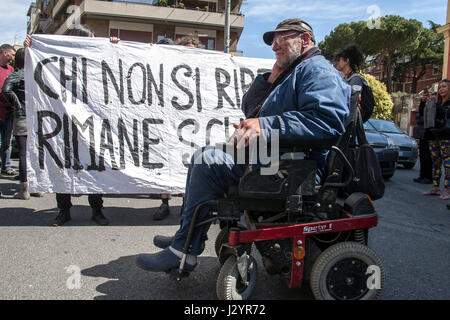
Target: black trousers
(425,159)
(63,201)
(22,143)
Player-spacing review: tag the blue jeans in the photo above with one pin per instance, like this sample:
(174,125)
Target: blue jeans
(6,128)
(207,180)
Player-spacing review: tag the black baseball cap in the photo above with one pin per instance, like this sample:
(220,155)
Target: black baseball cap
(294,24)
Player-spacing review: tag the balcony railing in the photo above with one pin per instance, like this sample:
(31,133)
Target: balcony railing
(190,5)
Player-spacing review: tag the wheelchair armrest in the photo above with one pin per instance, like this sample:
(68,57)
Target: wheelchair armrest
(305,145)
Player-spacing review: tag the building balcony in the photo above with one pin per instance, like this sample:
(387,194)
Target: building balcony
(146,13)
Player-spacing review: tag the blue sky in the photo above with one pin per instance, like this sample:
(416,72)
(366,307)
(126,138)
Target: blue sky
(325,15)
(264,15)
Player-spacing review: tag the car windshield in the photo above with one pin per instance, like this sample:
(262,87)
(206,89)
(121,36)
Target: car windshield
(385,126)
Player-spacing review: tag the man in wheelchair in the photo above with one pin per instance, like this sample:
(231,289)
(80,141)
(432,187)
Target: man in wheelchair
(304,98)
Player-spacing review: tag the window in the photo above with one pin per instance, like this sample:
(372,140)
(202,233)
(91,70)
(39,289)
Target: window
(131,35)
(435,69)
(208,43)
(129,31)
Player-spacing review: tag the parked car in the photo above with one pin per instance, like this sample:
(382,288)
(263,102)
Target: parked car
(408,149)
(385,148)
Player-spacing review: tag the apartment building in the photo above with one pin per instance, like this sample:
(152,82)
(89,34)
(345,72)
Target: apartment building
(445,29)
(141,20)
(432,73)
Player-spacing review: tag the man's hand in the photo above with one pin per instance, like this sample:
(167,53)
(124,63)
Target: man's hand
(27,41)
(246,131)
(114,39)
(276,71)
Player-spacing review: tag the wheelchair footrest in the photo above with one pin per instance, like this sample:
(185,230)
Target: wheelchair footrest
(176,275)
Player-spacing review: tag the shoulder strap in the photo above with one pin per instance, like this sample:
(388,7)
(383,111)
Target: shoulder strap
(360,133)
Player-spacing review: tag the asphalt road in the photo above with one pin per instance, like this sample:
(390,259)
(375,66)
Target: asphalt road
(38,261)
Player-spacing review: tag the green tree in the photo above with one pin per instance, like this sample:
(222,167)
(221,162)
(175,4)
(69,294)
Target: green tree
(344,34)
(430,49)
(395,39)
(383,101)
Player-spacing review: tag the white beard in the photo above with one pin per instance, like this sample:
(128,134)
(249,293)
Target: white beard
(293,53)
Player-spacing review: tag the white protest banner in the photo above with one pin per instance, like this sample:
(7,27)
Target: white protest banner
(125,118)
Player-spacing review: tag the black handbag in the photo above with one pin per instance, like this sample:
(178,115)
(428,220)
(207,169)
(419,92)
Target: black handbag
(368,177)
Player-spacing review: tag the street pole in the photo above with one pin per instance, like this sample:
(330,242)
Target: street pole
(227,26)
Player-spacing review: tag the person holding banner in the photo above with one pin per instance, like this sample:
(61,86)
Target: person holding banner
(164,209)
(7,54)
(303,98)
(189,41)
(63,200)
(14,91)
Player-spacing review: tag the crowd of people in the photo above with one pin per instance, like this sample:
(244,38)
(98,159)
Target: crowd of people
(433,133)
(303,96)
(13,122)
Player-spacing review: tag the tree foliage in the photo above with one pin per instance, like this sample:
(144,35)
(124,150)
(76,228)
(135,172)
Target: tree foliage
(383,101)
(398,44)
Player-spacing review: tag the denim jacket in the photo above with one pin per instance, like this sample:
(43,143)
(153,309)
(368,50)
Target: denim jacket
(312,103)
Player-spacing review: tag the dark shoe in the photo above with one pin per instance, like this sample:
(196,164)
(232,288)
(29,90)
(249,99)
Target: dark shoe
(417,179)
(426,181)
(97,216)
(164,260)
(63,217)
(162,241)
(448,206)
(37,194)
(162,212)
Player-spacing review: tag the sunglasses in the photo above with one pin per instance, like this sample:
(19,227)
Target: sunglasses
(280,39)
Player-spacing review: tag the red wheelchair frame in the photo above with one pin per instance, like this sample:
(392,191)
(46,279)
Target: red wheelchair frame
(298,233)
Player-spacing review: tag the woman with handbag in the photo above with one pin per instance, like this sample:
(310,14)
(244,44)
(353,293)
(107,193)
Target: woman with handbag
(439,137)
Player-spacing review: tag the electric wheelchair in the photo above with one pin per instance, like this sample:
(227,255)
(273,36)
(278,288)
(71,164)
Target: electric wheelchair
(305,232)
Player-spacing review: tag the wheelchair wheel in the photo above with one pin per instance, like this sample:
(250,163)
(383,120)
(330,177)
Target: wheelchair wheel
(347,271)
(230,285)
(221,239)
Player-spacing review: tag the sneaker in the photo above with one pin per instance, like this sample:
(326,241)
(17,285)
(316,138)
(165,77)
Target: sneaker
(162,212)
(63,217)
(97,216)
(9,172)
(162,241)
